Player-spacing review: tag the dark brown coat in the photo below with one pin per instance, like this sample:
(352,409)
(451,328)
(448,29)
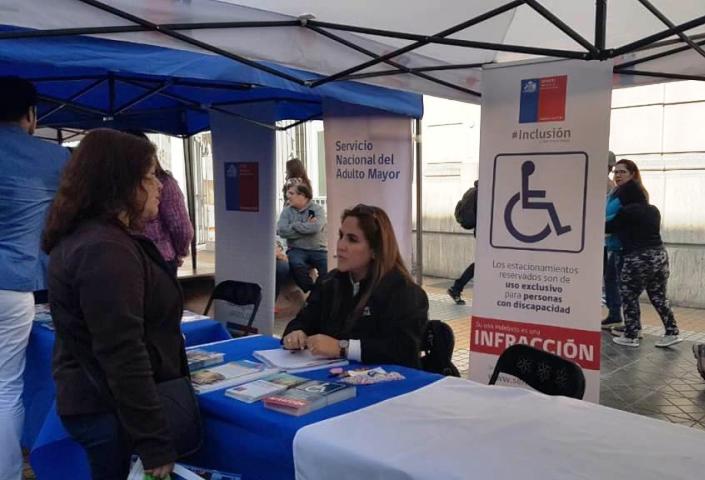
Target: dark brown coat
(111,291)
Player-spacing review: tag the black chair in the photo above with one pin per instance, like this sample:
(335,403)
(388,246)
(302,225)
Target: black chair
(437,345)
(238,293)
(543,371)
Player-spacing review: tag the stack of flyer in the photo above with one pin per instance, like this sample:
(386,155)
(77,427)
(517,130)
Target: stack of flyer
(309,396)
(198,359)
(295,361)
(228,375)
(257,390)
(42,316)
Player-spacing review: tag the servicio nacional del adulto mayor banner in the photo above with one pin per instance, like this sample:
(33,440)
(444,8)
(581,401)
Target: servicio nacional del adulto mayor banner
(368,160)
(541,197)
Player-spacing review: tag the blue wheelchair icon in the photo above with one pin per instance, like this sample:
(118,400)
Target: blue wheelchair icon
(526,194)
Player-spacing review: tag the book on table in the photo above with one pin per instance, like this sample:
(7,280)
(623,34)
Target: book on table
(198,359)
(295,361)
(309,396)
(257,390)
(182,472)
(229,374)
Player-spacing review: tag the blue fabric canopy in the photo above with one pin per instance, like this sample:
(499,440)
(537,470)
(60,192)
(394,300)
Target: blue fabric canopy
(130,85)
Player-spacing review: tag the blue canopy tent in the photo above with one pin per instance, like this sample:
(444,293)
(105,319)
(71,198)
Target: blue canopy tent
(87,82)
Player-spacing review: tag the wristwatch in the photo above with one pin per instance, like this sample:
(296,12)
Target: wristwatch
(343,345)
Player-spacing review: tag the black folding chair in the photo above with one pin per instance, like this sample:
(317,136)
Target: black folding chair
(437,345)
(241,294)
(542,371)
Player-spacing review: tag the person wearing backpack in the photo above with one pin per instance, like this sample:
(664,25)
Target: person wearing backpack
(466,216)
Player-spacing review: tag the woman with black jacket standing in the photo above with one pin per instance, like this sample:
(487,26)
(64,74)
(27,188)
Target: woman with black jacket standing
(369,309)
(115,305)
(638,224)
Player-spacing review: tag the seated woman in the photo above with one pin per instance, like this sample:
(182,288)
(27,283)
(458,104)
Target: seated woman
(369,309)
(303,224)
(115,304)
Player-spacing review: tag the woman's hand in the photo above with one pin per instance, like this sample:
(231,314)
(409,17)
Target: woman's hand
(160,472)
(323,346)
(295,340)
(312,219)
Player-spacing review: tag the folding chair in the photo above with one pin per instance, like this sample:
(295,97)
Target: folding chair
(437,345)
(241,294)
(542,371)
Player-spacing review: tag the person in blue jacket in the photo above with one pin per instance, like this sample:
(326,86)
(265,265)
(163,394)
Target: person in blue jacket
(31,169)
(613,249)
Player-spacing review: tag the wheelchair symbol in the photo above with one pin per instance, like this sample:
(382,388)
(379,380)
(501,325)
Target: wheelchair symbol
(526,194)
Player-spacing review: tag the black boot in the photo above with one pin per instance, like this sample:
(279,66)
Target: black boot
(610,322)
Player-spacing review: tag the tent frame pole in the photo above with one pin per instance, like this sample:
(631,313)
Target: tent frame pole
(420,42)
(600,24)
(72,105)
(191,41)
(419,209)
(191,197)
(439,68)
(655,56)
(71,99)
(400,68)
(658,14)
(140,98)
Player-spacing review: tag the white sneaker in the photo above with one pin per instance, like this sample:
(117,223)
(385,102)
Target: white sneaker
(668,340)
(626,341)
(619,331)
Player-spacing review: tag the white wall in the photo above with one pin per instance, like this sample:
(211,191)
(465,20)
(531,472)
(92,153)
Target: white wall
(661,127)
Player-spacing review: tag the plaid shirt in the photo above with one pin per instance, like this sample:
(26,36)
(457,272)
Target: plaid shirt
(171,231)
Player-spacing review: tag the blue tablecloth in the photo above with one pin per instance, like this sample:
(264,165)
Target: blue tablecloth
(39,391)
(256,442)
(239,437)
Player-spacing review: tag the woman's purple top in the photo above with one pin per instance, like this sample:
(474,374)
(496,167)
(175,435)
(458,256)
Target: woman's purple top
(171,231)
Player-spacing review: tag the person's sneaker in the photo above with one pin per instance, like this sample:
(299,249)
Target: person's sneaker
(699,352)
(668,340)
(619,331)
(456,297)
(610,322)
(626,341)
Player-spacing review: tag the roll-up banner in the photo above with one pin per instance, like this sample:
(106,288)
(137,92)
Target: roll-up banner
(541,201)
(368,160)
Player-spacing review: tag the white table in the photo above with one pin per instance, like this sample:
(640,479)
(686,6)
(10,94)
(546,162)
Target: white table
(457,429)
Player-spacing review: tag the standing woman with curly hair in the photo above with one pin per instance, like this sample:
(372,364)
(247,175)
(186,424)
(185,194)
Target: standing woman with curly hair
(113,299)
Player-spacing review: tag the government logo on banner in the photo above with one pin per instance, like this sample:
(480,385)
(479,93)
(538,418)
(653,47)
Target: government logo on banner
(543,99)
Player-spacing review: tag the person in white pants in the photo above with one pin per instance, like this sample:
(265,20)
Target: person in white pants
(16,315)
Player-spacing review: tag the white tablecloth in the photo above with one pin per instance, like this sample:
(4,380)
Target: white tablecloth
(457,429)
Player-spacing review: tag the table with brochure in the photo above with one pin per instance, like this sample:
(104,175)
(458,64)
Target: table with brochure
(243,438)
(424,426)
